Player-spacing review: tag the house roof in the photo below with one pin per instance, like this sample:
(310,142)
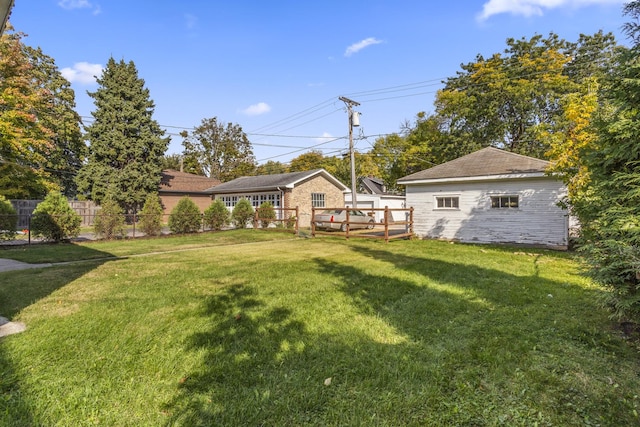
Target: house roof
(273,182)
(487,162)
(373,185)
(173,181)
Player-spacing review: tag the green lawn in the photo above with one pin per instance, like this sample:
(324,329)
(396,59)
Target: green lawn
(259,328)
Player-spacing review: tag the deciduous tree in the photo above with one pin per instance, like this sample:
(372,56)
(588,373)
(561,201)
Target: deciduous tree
(514,100)
(40,145)
(221,150)
(271,167)
(310,160)
(67,149)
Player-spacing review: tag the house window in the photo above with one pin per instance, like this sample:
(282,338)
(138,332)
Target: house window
(317,200)
(448,202)
(230,201)
(500,202)
(255,199)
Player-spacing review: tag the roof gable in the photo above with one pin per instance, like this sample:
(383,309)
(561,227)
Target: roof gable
(173,181)
(486,162)
(373,185)
(273,182)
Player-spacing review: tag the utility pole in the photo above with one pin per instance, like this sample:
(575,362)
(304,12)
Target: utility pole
(350,103)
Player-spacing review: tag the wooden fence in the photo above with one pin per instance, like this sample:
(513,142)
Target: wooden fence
(386,229)
(24,209)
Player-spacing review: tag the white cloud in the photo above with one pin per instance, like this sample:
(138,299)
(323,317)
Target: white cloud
(257,109)
(529,8)
(357,47)
(74,4)
(326,136)
(191,21)
(80,4)
(82,72)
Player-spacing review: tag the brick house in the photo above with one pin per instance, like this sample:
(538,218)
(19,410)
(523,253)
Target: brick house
(174,185)
(314,188)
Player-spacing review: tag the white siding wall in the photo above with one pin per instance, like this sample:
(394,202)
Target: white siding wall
(379,201)
(537,221)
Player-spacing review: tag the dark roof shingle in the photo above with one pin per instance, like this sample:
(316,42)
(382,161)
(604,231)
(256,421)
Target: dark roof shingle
(270,182)
(485,162)
(181,182)
(373,185)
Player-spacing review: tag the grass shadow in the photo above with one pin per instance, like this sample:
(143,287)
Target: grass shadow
(246,343)
(508,326)
(261,365)
(448,345)
(18,290)
(525,303)
(21,288)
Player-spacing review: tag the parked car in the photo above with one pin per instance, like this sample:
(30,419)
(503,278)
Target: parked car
(336,219)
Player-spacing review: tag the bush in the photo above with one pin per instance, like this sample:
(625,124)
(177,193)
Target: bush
(54,220)
(216,215)
(109,221)
(8,220)
(242,213)
(185,217)
(151,216)
(266,213)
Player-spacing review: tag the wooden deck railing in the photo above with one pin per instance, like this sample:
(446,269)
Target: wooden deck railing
(386,229)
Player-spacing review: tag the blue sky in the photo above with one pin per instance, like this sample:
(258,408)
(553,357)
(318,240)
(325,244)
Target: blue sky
(277,67)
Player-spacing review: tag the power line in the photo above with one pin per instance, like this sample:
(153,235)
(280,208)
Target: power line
(260,132)
(374,96)
(302,149)
(295,116)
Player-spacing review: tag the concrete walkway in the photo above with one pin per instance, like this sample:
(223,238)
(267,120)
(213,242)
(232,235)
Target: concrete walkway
(7,327)
(10,328)
(10,265)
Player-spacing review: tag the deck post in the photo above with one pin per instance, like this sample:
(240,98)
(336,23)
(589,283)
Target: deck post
(386,224)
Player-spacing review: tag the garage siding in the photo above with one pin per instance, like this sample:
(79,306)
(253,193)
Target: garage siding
(538,220)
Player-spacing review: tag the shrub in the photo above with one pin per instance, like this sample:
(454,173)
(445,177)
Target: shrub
(216,215)
(54,220)
(109,221)
(8,220)
(185,217)
(266,213)
(242,213)
(151,216)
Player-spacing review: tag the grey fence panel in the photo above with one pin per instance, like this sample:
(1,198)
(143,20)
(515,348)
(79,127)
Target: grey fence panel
(86,209)
(24,209)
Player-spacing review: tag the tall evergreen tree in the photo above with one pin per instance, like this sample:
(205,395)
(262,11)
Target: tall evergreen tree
(609,208)
(126,146)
